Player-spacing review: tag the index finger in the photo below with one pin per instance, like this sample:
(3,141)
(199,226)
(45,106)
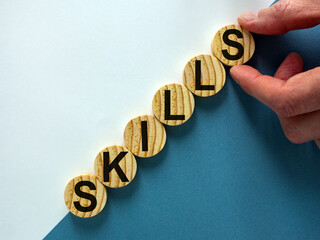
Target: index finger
(283,16)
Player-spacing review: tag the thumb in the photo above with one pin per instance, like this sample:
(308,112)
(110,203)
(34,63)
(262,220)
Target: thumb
(299,95)
(264,88)
(282,17)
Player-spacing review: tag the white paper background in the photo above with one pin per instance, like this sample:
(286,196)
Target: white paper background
(72,74)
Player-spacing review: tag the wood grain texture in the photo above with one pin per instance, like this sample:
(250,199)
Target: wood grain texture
(70,196)
(128,165)
(212,73)
(182,103)
(156,136)
(247,42)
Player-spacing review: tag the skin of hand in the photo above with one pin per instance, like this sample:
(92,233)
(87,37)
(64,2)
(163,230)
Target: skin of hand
(294,95)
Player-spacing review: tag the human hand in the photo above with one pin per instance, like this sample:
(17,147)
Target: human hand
(293,94)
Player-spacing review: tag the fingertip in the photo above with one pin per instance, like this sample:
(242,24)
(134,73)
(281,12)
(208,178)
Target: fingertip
(233,71)
(269,21)
(255,84)
(248,17)
(292,65)
(241,73)
(297,61)
(247,20)
(297,58)
(237,69)
(236,73)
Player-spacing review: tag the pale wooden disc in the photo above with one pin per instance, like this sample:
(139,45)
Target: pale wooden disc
(127,164)
(88,184)
(181,104)
(212,75)
(218,45)
(145,136)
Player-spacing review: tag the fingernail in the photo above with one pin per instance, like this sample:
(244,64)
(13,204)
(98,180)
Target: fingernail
(249,16)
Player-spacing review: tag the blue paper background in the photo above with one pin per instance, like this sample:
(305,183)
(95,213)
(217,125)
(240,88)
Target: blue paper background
(228,173)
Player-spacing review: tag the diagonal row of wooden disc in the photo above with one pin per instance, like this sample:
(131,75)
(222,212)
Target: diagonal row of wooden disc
(145,136)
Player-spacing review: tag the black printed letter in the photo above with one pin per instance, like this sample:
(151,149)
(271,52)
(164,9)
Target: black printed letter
(198,78)
(85,195)
(232,44)
(144,135)
(167,108)
(114,165)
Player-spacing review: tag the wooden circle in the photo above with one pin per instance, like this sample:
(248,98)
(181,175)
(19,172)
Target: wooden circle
(94,199)
(233,45)
(145,136)
(115,166)
(204,75)
(173,104)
